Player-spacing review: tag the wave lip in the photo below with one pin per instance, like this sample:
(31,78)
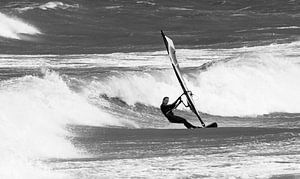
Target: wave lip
(52,5)
(241,82)
(34,115)
(55,4)
(14,28)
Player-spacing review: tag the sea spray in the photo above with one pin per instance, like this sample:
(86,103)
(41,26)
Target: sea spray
(137,87)
(51,5)
(13,28)
(253,83)
(34,112)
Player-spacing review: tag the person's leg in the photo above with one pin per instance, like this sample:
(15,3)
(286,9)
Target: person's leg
(178,119)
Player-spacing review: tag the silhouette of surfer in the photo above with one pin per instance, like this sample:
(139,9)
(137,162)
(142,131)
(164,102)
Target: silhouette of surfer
(166,109)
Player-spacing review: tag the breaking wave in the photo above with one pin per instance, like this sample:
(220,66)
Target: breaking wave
(34,112)
(247,85)
(52,5)
(14,28)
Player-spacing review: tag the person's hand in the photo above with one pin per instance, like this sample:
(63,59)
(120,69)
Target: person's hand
(179,99)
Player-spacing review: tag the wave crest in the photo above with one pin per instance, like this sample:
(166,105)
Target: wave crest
(251,84)
(34,112)
(14,28)
(52,5)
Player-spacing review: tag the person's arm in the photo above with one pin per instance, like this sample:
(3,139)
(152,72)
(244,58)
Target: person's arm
(176,103)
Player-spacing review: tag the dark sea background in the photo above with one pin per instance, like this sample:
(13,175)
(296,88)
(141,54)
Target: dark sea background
(89,27)
(81,83)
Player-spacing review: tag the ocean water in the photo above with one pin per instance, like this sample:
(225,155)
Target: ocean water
(81,83)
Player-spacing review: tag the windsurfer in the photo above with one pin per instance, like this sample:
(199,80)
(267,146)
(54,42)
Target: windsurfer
(167,111)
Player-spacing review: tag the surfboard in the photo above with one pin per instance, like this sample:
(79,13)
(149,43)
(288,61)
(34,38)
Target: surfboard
(191,104)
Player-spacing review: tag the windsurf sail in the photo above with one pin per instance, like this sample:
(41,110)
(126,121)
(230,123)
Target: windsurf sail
(171,51)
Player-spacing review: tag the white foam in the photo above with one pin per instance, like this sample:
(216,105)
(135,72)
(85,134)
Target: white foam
(33,115)
(12,27)
(146,2)
(51,5)
(249,85)
(256,81)
(148,60)
(226,165)
(55,5)
(242,81)
(138,87)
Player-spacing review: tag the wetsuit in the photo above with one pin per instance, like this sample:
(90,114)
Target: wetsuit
(167,111)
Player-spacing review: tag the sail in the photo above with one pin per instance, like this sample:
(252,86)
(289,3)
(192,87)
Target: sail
(171,51)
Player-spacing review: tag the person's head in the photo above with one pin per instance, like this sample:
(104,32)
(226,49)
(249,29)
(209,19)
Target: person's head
(165,100)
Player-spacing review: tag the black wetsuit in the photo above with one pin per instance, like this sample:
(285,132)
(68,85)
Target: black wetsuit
(167,111)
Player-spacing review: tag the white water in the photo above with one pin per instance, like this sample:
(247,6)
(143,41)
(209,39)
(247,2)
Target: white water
(195,166)
(13,28)
(51,5)
(138,87)
(54,5)
(35,110)
(251,83)
(33,115)
(243,81)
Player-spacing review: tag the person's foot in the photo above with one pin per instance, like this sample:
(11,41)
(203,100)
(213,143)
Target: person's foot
(194,127)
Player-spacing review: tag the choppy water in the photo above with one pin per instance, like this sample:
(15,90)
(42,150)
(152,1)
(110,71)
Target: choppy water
(64,27)
(81,82)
